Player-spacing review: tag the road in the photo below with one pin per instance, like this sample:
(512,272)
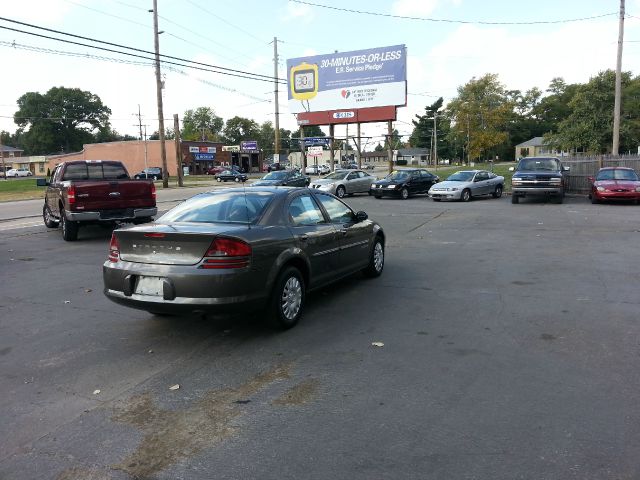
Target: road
(510,350)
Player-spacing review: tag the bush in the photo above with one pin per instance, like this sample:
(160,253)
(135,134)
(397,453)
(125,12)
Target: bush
(401,162)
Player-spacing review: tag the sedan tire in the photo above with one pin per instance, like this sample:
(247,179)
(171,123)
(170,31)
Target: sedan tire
(497,192)
(594,200)
(465,196)
(219,179)
(404,193)
(237,179)
(287,299)
(340,192)
(376,261)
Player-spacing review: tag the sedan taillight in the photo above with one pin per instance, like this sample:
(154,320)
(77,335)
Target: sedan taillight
(114,249)
(227,253)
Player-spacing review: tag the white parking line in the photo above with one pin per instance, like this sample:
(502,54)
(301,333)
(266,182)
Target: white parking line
(16,226)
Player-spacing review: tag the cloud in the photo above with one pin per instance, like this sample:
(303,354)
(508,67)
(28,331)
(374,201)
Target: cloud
(415,8)
(298,12)
(51,11)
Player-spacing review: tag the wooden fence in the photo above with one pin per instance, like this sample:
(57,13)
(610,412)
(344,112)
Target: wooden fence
(584,167)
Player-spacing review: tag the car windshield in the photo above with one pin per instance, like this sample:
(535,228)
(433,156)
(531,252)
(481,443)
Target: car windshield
(398,175)
(617,174)
(224,207)
(336,175)
(275,176)
(461,177)
(550,164)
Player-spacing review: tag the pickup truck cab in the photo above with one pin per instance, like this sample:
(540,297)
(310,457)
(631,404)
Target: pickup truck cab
(538,176)
(98,192)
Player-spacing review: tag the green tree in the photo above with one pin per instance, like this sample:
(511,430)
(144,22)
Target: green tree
(480,114)
(589,125)
(63,119)
(379,148)
(169,134)
(238,129)
(201,124)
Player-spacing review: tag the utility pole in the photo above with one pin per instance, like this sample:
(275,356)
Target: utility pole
(618,94)
(332,155)
(435,139)
(359,145)
(145,147)
(163,150)
(276,144)
(303,157)
(390,149)
(139,121)
(176,128)
(4,170)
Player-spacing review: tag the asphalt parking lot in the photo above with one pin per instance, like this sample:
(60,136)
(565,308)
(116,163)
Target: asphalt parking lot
(511,349)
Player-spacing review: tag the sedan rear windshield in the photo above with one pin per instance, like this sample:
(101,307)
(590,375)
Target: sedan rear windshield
(225,207)
(275,175)
(617,174)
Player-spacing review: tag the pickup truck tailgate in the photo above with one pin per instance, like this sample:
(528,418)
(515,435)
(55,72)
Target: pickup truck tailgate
(116,194)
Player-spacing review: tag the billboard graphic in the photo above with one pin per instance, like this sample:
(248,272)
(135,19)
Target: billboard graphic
(359,79)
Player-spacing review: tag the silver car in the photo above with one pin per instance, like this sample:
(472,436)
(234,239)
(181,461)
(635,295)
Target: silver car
(466,184)
(242,249)
(345,182)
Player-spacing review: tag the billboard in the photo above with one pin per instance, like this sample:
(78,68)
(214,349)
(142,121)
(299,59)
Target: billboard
(359,79)
(356,115)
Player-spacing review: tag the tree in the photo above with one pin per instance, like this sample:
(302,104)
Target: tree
(379,148)
(63,119)
(589,125)
(238,129)
(201,124)
(480,115)
(169,134)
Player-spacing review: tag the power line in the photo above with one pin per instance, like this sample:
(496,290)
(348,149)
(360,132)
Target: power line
(227,22)
(447,20)
(242,74)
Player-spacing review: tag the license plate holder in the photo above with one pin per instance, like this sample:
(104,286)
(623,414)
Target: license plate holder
(149,286)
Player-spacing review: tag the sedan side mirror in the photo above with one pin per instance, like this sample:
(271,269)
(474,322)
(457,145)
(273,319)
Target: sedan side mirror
(361,216)
(591,179)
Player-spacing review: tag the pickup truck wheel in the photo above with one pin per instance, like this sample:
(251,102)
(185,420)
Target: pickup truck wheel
(514,199)
(48,218)
(466,195)
(497,193)
(69,228)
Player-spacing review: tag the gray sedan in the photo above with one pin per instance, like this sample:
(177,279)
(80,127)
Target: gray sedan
(242,249)
(345,182)
(466,184)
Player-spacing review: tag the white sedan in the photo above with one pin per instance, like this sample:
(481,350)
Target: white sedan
(466,184)
(19,172)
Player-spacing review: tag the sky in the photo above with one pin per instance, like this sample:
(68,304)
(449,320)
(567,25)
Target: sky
(449,42)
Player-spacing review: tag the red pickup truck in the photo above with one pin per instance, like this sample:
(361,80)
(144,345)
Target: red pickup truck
(95,191)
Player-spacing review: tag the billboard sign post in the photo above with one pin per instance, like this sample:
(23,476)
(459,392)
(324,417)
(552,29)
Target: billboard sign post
(348,80)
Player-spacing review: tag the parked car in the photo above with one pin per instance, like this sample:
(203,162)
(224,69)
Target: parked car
(536,177)
(231,176)
(615,183)
(467,184)
(221,168)
(290,178)
(324,169)
(154,173)
(312,170)
(369,166)
(277,166)
(345,182)
(19,172)
(404,182)
(95,191)
(201,255)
